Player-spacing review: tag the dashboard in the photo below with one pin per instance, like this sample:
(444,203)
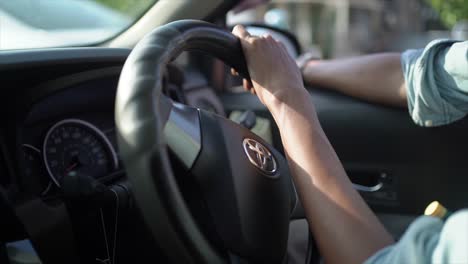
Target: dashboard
(58,121)
(71,130)
(67,125)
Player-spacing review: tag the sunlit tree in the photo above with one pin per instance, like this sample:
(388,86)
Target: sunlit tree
(451,11)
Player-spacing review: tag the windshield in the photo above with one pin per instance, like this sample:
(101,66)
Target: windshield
(28,24)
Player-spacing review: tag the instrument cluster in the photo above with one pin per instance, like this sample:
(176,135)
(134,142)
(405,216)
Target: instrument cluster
(69,146)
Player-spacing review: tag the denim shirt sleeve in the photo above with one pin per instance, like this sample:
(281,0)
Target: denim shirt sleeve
(415,246)
(437,82)
(429,240)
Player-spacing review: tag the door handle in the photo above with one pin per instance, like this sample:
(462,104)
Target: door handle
(366,180)
(364,188)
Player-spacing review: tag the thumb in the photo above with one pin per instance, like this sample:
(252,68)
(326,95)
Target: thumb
(240,32)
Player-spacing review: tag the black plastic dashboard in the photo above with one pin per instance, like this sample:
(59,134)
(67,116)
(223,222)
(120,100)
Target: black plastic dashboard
(62,100)
(72,89)
(40,88)
(77,119)
(48,86)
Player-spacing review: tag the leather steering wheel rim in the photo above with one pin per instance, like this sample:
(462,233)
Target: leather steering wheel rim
(141,112)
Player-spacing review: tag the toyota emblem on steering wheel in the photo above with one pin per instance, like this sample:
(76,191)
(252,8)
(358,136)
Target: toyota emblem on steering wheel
(259,156)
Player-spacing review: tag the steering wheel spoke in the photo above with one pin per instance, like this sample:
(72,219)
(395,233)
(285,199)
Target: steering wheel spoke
(183,135)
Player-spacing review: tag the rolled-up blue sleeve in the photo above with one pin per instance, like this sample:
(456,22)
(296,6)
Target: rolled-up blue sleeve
(416,245)
(437,82)
(429,240)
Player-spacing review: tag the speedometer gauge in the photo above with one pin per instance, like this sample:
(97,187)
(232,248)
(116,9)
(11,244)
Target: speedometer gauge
(76,145)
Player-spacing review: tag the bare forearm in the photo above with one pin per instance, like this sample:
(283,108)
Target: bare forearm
(376,78)
(344,227)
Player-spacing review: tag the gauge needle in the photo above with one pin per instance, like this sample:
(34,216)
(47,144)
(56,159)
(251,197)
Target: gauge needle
(71,167)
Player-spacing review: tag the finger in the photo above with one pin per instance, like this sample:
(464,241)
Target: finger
(267,36)
(247,84)
(240,32)
(244,84)
(234,72)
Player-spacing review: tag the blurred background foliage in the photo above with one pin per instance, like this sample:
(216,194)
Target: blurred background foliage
(132,8)
(451,11)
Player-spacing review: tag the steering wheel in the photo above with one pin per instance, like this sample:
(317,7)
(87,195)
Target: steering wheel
(231,196)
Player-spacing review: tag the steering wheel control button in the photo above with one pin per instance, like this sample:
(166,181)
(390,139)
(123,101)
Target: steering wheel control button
(260,156)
